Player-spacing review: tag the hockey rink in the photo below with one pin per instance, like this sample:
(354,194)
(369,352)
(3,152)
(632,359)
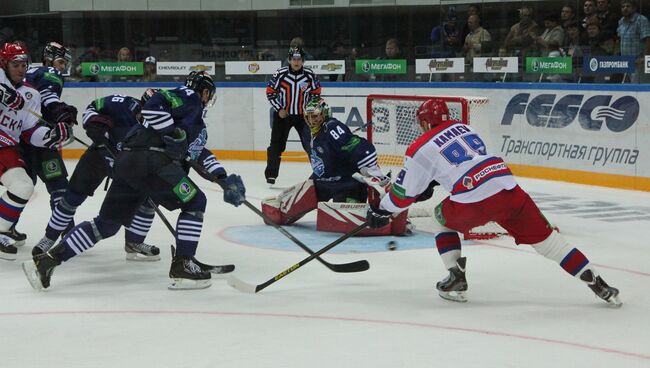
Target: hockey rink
(523,310)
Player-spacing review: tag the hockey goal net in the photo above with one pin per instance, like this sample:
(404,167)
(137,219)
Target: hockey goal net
(392,127)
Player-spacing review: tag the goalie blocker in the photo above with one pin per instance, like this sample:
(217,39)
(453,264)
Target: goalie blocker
(295,202)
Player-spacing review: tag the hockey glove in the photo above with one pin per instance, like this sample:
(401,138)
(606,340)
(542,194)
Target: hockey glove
(98,127)
(176,144)
(377,217)
(234,191)
(58,134)
(10,97)
(64,113)
(428,193)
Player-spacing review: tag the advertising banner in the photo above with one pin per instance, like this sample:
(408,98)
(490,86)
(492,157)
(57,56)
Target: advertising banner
(326,66)
(112,68)
(183,67)
(549,65)
(252,67)
(446,65)
(608,64)
(647,63)
(496,65)
(388,66)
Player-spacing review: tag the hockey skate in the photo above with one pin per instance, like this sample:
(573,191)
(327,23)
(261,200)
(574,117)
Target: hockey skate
(40,269)
(16,236)
(185,274)
(454,286)
(42,246)
(141,252)
(600,288)
(270,181)
(7,249)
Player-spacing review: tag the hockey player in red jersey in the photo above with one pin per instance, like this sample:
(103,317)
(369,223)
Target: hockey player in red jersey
(18,104)
(482,189)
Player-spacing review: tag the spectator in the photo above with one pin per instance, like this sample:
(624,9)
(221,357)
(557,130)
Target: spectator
(573,46)
(596,45)
(124,54)
(608,20)
(472,9)
(589,10)
(446,38)
(392,52)
(552,37)
(634,33)
(567,15)
(478,41)
(520,41)
(150,71)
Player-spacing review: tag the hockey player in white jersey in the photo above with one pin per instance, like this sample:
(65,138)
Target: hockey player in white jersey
(18,102)
(482,189)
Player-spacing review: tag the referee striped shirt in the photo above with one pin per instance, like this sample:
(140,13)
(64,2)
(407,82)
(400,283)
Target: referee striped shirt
(292,90)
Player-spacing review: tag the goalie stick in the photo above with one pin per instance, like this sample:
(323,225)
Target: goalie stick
(357,266)
(253,289)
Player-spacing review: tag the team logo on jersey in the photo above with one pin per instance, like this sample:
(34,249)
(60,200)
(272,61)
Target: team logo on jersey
(467,182)
(317,164)
(52,169)
(185,190)
(197,145)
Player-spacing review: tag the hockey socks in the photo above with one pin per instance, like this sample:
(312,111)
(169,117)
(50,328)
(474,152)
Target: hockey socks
(11,206)
(188,232)
(63,214)
(448,244)
(140,225)
(85,235)
(556,248)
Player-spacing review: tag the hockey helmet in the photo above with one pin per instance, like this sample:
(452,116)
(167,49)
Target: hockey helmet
(316,112)
(12,52)
(296,52)
(54,51)
(432,113)
(198,81)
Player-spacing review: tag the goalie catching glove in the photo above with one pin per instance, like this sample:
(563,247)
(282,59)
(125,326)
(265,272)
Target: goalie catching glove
(234,191)
(60,133)
(10,97)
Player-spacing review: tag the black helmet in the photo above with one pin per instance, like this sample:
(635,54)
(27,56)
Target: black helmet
(296,51)
(198,81)
(53,51)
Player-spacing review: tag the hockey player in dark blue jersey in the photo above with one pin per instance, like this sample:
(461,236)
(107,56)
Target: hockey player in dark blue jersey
(153,164)
(46,163)
(107,120)
(344,166)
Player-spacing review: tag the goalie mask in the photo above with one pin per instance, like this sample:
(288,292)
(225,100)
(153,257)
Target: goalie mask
(57,56)
(432,113)
(199,82)
(316,112)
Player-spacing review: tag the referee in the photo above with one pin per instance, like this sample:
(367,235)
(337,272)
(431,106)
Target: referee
(288,91)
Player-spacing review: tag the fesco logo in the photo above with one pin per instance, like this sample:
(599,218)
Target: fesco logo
(544,111)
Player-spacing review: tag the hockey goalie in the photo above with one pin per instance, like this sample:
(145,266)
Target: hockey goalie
(345,177)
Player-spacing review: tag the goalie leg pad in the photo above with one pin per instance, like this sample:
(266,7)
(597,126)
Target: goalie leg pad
(340,217)
(292,204)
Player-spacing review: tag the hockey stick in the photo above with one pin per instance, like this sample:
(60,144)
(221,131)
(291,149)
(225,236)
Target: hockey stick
(357,266)
(252,289)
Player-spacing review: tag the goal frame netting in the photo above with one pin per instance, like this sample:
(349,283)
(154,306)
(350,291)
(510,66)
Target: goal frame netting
(391,151)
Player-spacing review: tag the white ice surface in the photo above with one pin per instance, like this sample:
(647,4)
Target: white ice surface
(523,310)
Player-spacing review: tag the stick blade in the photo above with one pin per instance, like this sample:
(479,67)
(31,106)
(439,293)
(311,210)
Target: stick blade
(241,285)
(358,266)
